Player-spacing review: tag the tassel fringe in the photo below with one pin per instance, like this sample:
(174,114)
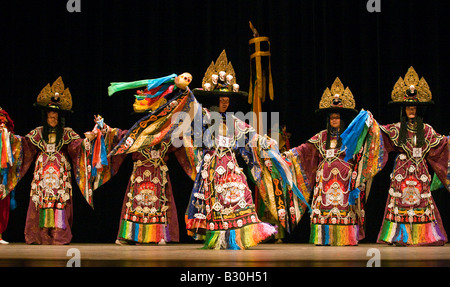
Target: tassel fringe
(52,218)
(411,234)
(143,233)
(335,235)
(237,239)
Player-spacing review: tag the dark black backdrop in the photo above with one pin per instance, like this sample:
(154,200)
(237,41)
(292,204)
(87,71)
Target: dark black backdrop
(312,41)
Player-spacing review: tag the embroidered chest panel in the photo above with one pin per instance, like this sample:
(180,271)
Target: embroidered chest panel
(224,198)
(37,139)
(416,154)
(147,200)
(329,155)
(330,197)
(51,186)
(410,199)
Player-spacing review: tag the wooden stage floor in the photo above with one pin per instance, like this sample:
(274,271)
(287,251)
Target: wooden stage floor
(190,255)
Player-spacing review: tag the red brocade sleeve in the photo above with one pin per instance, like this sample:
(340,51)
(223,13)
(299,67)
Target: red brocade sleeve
(308,155)
(29,153)
(438,158)
(87,179)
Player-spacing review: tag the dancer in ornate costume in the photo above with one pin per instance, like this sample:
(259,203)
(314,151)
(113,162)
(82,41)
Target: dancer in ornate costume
(10,152)
(50,211)
(221,209)
(411,216)
(337,216)
(149,214)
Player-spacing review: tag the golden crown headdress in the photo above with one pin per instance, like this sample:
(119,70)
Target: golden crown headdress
(220,75)
(220,79)
(336,99)
(55,97)
(411,90)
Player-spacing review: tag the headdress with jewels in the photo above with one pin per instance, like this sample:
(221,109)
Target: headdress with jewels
(220,81)
(337,100)
(411,91)
(55,97)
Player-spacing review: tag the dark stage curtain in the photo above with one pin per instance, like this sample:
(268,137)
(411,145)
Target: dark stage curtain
(312,43)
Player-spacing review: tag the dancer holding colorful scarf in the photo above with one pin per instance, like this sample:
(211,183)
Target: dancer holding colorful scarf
(221,210)
(10,155)
(149,213)
(411,217)
(53,147)
(319,165)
